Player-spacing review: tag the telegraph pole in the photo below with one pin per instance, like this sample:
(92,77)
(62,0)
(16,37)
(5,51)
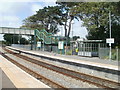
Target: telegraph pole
(72,28)
(110,33)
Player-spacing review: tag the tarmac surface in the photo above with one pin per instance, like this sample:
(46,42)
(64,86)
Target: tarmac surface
(91,59)
(6,83)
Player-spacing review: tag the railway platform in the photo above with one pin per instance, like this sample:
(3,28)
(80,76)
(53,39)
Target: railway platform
(94,66)
(73,58)
(14,77)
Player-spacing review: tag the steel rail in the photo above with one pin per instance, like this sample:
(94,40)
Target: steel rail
(35,74)
(100,82)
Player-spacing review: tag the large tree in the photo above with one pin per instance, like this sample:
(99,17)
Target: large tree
(14,39)
(50,17)
(11,39)
(95,16)
(47,18)
(67,15)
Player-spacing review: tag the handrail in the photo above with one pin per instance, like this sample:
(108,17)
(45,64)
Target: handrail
(42,36)
(47,37)
(46,32)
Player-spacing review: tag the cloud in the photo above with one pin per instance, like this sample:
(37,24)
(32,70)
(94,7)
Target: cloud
(79,30)
(13,7)
(12,13)
(9,18)
(9,21)
(36,7)
(5,7)
(28,0)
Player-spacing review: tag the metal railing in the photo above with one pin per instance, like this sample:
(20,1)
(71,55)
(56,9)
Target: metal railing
(7,30)
(104,54)
(47,38)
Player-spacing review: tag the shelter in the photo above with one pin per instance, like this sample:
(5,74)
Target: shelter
(87,47)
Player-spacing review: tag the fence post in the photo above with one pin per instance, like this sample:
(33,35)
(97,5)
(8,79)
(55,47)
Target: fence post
(35,39)
(99,50)
(32,38)
(84,49)
(43,43)
(117,54)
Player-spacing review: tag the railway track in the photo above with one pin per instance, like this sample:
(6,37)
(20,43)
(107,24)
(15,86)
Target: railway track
(99,82)
(35,74)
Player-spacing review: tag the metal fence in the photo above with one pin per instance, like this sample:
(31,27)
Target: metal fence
(87,48)
(28,47)
(48,48)
(104,53)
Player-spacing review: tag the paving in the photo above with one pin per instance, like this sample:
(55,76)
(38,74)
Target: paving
(91,59)
(6,83)
(15,75)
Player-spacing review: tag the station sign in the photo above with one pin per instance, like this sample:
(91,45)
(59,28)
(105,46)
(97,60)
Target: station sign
(110,40)
(60,45)
(38,44)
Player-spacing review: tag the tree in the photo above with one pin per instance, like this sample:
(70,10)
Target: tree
(47,18)
(50,17)
(75,37)
(24,41)
(67,15)
(14,39)
(96,18)
(11,39)
(31,23)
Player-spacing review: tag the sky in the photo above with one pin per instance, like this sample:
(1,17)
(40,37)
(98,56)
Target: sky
(13,12)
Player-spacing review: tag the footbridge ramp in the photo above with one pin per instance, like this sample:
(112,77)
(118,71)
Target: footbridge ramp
(48,38)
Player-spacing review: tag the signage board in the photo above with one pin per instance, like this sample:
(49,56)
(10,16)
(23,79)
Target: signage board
(60,45)
(110,40)
(80,39)
(38,44)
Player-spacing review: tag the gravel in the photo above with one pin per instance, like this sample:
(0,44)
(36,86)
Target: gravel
(77,69)
(68,82)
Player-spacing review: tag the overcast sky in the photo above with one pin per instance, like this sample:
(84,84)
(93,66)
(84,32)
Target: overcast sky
(12,14)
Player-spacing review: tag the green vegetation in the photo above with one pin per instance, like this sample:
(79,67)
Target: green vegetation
(50,17)
(115,54)
(75,37)
(14,39)
(47,18)
(69,52)
(95,17)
